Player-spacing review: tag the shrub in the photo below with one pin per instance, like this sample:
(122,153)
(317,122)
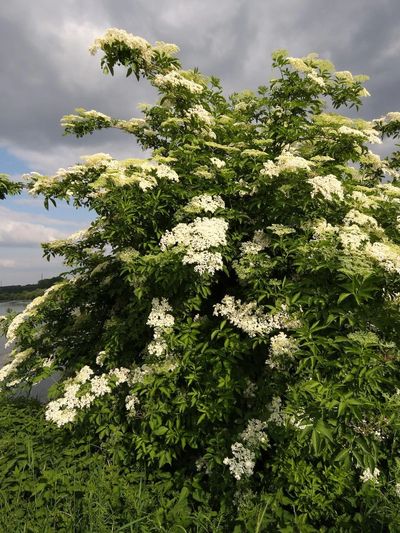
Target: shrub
(232,313)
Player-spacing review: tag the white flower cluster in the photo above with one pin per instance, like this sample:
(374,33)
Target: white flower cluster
(251,319)
(281,345)
(119,173)
(388,255)
(199,113)
(277,416)
(101,356)
(298,64)
(369,134)
(160,319)
(281,230)
(364,200)
(206,203)
(133,125)
(361,219)
(17,359)
(327,186)
(259,242)
(168,49)
(352,238)
(218,163)
(254,434)
(319,80)
(114,35)
(176,79)
(367,475)
(65,409)
(197,238)
(164,171)
(29,311)
(244,453)
(131,401)
(322,230)
(83,116)
(243,461)
(286,162)
(94,160)
(393,116)
(377,164)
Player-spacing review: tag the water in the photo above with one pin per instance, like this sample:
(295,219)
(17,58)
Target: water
(38,391)
(17,306)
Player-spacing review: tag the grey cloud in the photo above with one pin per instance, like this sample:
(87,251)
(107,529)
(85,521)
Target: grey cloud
(47,71)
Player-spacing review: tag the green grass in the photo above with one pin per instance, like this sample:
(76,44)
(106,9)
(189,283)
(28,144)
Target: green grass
(52,482)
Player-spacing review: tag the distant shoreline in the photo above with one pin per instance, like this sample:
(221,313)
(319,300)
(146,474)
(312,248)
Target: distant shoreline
(12,293)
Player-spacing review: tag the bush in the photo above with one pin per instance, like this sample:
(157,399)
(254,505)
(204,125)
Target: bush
(232,314)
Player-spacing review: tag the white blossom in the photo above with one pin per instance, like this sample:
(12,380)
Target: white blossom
(298,64)
(17,359)
(131,401)
(327,186)
(160,319)
(201,114)
(322,230)
(281,230)
(206,203)
(388,255)
(121,375)
(254,434)
(176,79)
(218,163)
(361,219)
(277,416)
(259,242)
(280,345)
(393,116)
(160,316)
(251,319)
(367,475)
(115,35)
(286,162)
(319,80)
(164,171)
(64,410)
(243,461)
(101,356)
(352,237)
(196,238)
(30,310)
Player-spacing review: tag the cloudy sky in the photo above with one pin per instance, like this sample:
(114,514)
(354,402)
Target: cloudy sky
(46,72)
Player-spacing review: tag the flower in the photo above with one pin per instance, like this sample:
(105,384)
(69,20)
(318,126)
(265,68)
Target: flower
(243,461)
(217,162)
(286,162)
(161,320)
(205,202)
(249,318)
(253,436)
(367,475)
(196,238)
(280,345)
(327,186)
(135,43)
(177,79)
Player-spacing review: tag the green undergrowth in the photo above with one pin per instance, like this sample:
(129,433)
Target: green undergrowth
(51,481)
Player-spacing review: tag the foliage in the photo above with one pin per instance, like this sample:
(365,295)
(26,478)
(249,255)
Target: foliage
(51,482)
(8,187)
(232,314)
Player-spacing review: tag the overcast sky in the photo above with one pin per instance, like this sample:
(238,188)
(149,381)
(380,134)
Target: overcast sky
(47,71)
